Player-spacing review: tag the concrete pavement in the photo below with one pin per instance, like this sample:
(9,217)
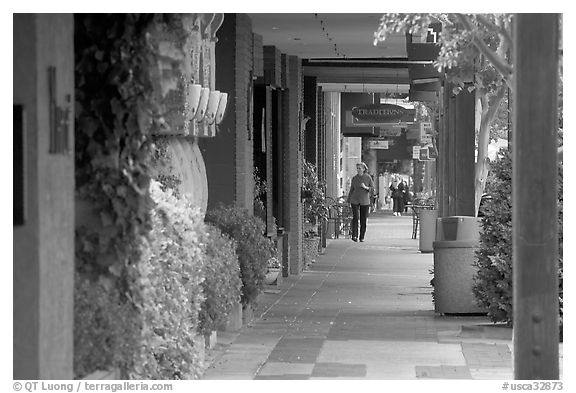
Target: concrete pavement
(362,311)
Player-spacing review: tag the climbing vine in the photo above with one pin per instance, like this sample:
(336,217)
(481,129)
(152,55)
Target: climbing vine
(121,99)
(112,149)
(119,104)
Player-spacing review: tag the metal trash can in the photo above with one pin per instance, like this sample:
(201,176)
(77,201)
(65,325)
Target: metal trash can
(457,239)
(427,229)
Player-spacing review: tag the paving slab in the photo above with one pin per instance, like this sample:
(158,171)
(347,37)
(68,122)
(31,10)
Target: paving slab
(363,311)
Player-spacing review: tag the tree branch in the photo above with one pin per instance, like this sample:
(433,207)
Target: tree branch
(489,109)
(501,66)
(495,28)
(489,25)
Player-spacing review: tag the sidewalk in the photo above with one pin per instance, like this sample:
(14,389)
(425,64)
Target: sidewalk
(362,311)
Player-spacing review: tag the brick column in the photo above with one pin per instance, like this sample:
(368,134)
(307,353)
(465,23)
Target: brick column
(293,165)
(321,148)
(310,109)
(228,155)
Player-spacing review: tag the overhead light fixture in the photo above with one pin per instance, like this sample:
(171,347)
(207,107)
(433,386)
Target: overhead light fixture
(212,106)
(192,100)
(221,108)
(204,96)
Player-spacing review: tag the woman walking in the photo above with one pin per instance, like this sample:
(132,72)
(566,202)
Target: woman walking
(397,187)
(359,198)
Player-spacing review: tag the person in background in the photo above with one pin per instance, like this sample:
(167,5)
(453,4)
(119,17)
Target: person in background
(401,196)
(393,191)
(407,199)
(397,188)
(359,199)
(373,200)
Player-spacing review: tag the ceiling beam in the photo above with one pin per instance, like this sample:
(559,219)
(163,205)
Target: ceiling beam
(366,75)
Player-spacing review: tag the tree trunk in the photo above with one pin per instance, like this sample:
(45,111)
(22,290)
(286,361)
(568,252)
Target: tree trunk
(489,110)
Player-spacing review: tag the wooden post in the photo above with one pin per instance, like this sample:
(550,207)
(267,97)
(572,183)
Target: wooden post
(534,197)
(456,154)
(462,155)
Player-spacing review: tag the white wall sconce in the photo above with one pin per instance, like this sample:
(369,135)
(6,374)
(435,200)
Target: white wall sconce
(221,108)
(192,100)
(203,104)
(213,102)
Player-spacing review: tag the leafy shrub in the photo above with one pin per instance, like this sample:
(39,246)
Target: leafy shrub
(222,285)
(168,291)
(259,196)
(253,248)
(314,200)
(493,282)
(104,327)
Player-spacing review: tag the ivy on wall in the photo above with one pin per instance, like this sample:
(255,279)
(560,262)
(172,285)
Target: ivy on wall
(119,103)
(112,149)
(122,96)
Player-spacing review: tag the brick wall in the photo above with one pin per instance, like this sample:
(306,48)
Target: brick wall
(258,54)
(272,66)
(293,166)
(228,155)
(310,109)
(244,129)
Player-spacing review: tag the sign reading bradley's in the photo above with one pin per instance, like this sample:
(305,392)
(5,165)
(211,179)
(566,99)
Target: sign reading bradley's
(378,115)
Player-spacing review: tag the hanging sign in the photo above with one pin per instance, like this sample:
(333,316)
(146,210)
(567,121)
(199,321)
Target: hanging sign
(348,102)
(393,131)
(375,115)
(426,140)
(424,156)
(378,144)
(379,113)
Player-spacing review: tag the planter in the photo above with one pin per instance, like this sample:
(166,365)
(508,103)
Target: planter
(427,229)
(454,270)
(272,276)
(247,314)
(234,322)
(210,340)
(310,247)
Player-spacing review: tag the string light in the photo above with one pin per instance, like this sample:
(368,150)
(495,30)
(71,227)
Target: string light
(336,51)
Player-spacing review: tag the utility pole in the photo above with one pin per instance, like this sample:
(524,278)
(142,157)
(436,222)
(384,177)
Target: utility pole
(534,197)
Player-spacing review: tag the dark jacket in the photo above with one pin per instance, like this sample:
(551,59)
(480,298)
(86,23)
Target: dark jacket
(357,194)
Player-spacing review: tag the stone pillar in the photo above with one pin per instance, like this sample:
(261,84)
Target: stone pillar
(228,156)
(43,263)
